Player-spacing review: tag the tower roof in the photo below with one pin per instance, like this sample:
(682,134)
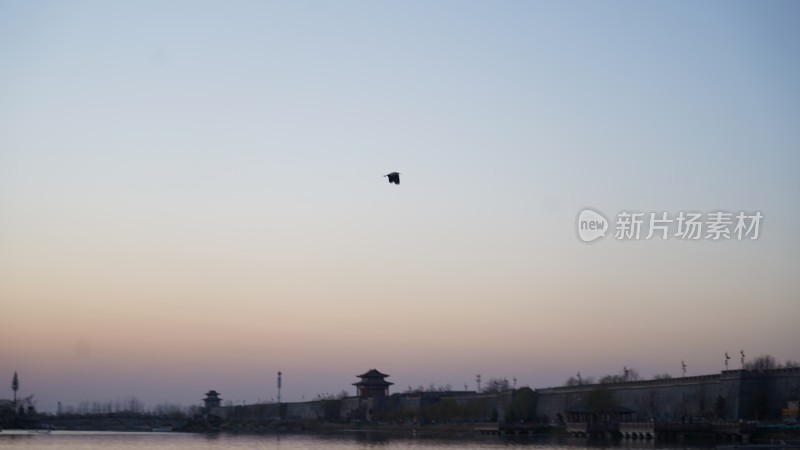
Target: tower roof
(372,373)
(373,378)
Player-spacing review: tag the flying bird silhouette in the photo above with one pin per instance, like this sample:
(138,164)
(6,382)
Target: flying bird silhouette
(394,177)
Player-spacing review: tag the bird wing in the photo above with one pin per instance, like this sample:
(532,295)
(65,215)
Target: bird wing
(394,177)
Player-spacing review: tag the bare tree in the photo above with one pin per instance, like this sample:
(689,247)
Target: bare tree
(496,385)
(29,405)
(626,374)
(761,363)
(579,380)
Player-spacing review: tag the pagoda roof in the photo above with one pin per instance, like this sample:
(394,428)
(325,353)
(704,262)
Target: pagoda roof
(372,373)
(373,382)
(373,378)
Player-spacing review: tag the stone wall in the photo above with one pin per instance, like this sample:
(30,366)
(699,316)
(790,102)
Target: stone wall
(730,395)
(305,411)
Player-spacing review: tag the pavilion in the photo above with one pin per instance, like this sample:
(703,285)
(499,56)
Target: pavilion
(373,384)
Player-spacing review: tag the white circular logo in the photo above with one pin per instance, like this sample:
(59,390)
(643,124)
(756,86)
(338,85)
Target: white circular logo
(591,225)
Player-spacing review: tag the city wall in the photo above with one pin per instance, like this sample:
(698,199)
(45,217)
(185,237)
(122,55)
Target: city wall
(730,395)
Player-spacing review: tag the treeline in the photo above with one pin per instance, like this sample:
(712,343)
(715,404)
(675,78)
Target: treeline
(768,362)
(491,386)
(626,374)
(130,406)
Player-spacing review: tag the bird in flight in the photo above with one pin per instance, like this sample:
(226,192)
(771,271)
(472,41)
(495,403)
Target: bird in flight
(394,177)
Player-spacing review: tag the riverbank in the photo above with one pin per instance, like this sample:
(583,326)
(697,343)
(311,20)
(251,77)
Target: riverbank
(320,426)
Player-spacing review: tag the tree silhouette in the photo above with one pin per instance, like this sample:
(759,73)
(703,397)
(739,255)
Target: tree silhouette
(496,385)
(600,401)
(761,363)
(523,405)
(626,374)
(15,387)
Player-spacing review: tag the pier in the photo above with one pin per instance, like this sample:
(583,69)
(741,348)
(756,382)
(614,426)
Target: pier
(722,431)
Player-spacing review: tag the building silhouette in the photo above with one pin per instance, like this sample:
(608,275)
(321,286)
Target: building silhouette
(373,384)
(212,400)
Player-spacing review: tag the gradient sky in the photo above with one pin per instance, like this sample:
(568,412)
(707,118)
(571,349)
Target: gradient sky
(191,193)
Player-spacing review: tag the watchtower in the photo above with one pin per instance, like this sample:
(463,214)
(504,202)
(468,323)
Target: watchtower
(373,384)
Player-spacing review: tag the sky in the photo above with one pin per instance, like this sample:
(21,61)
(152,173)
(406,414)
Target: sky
(192,193)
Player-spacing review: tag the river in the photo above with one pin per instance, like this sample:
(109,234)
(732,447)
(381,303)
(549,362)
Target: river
(69,440)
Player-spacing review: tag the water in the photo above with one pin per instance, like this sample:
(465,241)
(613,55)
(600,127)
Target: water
(69,440)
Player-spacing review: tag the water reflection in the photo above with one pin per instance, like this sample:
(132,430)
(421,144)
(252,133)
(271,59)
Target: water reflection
(335,441)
